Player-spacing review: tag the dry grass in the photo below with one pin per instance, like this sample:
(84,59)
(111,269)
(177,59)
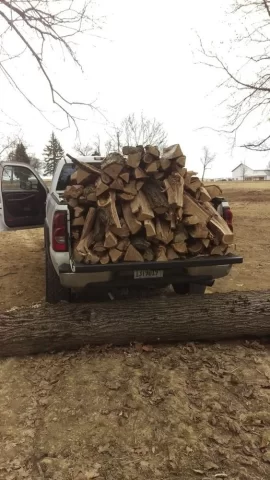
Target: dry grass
(181,412)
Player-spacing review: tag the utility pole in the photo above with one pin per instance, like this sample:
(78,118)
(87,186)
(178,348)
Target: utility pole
(118,141)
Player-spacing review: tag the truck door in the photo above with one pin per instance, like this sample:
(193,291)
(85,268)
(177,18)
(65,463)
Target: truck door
(22,197)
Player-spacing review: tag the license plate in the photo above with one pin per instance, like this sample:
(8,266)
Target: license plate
(148,274)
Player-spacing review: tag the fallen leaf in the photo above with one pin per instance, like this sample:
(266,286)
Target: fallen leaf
(147,348)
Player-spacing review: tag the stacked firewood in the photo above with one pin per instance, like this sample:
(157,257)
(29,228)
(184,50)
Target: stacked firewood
(143,206)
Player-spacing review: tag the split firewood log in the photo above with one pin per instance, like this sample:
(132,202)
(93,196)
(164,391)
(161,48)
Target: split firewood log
(213,191)
(127,150)
(163,231)
(125,176)
(133,224)
(174,186)
(194,185)
(180,248)
(78,211)
(121,232)
(174,152)
(195,247)
(152,150)
(107,204)
(123,244)
(110,240)
(141,207)
(134,159)
(101,187)
(115,255)
(105,178)
(171,254)
(73,191)
(204,195)
(76,222)
(104,258)
(140,243)
(91,257)
(199,231)
(150,228)
(148,255)
(90,168)
(132,255)
(139,173)
(99,248)
(113,164)
(155,196)
(73,202)
(191,207)
(180,235)
(117,184)
(160,253)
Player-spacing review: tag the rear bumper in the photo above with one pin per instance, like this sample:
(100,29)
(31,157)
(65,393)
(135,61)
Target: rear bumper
(195,270)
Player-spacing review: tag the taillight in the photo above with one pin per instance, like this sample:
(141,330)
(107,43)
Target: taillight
(228,217)
(59,232)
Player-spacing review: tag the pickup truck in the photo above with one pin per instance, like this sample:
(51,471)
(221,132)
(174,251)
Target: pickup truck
(26,202)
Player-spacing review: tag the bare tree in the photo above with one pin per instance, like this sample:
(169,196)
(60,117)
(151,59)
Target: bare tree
(88,149)
(207,160)
(249,80)
(137,131)
(8,143)
(40,29)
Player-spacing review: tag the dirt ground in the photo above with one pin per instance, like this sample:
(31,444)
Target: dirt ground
(175,412)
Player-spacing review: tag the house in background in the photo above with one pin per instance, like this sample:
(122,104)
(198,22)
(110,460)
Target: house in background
(243,172)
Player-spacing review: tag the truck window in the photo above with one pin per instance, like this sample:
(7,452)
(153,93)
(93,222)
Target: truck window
(63,180)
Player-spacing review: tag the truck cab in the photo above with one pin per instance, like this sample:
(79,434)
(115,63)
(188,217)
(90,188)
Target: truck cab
(26,202)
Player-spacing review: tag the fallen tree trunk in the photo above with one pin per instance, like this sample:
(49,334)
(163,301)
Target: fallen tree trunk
(160,319)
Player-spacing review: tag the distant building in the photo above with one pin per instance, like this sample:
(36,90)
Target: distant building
(243,172)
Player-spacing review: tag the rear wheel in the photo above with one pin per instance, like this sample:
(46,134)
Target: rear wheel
(189,288)
(55,292)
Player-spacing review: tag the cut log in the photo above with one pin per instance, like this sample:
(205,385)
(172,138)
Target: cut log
(117,184)
(110,240)
(191,220)
(91,258)
(165,163)
(101,187)
(152,150)
(148,255)
(195,247)
(141,207)
(191,207)
(148,158)
(139,173)
(180,248)
(127,197)
(171,254)
(174,186)
(218,226)
(124,176)
(181,234)
(204,195)
(213,191)
(194,185)
(156,198)
(72,202)
(85,178)
(163,231)
(87,233)
(188,176)
(90,168)
(104,259)
(165,318)
(217,250)
(181,161)
(172,152)
(105,178)
(123,245)
(99,227)
(78,211)
(121,232)
(90,193)
(133,224)
(160,252)
(199,231)
(107,203)
(134,159)
(73,178)
(99,248)
(159,175)
(140,244)
(76,222)
(113,165)
(150,228)
(73,191)
(115,255)
(132,255)
(152,167)
(130,188)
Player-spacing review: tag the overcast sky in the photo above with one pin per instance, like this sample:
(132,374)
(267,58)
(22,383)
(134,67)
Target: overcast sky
(144,61)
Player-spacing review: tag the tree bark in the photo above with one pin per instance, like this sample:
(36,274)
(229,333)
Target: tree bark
(150,320)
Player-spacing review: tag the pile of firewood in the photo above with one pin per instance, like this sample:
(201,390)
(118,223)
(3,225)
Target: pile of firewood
(143,206)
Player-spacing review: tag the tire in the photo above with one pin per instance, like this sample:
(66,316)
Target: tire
(189,288)
(55,292)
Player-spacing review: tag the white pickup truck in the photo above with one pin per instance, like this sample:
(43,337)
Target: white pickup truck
(26,202)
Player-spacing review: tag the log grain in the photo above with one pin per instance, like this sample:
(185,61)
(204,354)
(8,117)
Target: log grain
(162,319)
